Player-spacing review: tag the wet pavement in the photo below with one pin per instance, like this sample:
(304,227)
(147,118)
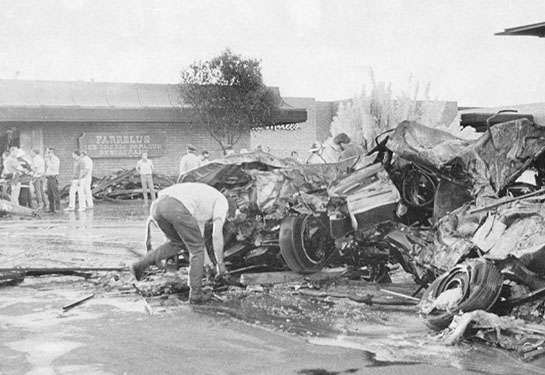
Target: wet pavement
(276,329)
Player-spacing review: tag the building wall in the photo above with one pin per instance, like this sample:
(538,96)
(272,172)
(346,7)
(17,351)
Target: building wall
(301,136)
(64,138)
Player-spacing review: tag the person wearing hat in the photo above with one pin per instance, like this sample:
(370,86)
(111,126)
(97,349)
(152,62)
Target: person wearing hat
(181,212)
(315,156)
(190,160)
(348,148)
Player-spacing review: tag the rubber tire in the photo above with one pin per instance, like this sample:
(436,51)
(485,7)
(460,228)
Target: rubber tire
(292,248)
(482,284)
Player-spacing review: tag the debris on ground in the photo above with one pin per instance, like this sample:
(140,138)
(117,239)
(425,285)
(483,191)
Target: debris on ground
(123,184)
(16,275)
(526,339)
(8,208)
(77,302)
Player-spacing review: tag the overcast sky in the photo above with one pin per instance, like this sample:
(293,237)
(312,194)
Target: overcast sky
(311,48)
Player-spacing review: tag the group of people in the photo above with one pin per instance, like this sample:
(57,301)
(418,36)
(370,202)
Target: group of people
(39,172)
(42,174)
(339,148)
(191,160)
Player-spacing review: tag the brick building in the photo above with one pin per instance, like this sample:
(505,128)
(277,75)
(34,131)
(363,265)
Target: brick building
(283,139)
(114,122)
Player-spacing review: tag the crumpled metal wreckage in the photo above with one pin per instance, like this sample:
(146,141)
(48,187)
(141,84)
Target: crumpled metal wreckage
(440,206)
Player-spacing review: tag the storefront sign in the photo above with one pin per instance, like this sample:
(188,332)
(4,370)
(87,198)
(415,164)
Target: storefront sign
(119,145)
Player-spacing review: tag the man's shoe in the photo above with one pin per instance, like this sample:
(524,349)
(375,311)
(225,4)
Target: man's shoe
(199,298)
(136,270)
(70,209)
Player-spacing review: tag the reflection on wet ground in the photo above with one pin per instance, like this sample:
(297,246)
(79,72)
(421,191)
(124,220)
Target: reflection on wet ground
(112,235)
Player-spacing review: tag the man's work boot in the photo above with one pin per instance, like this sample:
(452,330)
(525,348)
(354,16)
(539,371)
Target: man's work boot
(198,297)
(137,270)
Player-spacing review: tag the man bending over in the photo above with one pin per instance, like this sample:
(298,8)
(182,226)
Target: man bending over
(181,212)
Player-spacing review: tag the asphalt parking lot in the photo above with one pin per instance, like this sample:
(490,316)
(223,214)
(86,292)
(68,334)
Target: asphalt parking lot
(270,330)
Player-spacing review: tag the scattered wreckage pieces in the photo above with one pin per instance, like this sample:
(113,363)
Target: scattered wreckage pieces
(14,276)
(474,285)
(77,302)
(125,184)
(528,340)
(509,241)
(368,299)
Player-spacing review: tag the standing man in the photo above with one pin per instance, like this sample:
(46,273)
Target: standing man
(181,212)
(78,179)
(52,166)
(145,168)
(348,149)
(190,160)
(14,169)
(87,180)
(38,168)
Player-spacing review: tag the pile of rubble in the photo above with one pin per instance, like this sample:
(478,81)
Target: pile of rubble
(123,184)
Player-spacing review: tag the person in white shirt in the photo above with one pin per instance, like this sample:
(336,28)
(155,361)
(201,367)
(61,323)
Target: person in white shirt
(38,168)
(52,167)
(190,160)
(144,167)
(87,180)
(13,169)
(181,212)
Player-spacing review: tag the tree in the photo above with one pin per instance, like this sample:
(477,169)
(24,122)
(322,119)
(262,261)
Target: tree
(228,96)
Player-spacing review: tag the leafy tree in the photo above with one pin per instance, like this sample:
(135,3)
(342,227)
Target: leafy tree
(228,96)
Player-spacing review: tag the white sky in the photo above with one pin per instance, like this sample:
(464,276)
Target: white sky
(322,48)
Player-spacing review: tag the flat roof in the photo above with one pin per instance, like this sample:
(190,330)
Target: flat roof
(536,29)
(80,101)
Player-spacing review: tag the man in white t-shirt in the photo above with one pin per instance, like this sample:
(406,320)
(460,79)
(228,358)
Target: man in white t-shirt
(145,168)
(181,212)
(189,160)
(38,167)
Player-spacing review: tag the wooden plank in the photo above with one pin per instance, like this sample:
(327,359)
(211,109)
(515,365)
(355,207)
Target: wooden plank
(270,278)
(14,209)
(50,270)
(283,277)
(369,299)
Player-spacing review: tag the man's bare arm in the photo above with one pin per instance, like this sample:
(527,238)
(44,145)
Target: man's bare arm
(217,241)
